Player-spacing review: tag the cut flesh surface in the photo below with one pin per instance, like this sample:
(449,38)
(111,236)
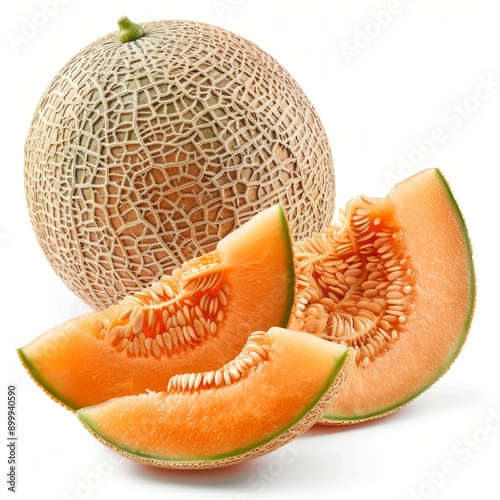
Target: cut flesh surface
(198,319)
(395,281)
(275,389)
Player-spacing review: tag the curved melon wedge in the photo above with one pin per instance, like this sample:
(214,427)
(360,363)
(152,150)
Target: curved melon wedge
(198,319)
(274,390)
(394,280)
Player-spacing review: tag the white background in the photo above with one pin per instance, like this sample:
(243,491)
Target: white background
(379,96)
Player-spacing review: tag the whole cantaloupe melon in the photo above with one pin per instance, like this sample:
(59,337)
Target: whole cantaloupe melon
(148,148)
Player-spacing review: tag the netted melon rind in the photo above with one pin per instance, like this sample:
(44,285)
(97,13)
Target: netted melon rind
(144,154)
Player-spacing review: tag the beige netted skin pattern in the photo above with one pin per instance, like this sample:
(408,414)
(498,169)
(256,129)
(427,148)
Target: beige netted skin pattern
(144,154)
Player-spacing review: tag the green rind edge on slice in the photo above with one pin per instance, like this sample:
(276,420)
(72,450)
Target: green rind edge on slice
(40,381)
(290,283)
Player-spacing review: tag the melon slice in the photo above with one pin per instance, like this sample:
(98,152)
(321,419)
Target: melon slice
(395,281)
(198,319)
(275,389)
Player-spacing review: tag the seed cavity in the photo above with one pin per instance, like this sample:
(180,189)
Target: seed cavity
(173,314)
(356,284)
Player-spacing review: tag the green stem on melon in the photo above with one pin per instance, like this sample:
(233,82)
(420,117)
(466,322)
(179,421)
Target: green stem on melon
(129,31)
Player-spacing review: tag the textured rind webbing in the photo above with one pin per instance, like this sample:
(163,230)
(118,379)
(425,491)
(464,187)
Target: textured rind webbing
(144,154)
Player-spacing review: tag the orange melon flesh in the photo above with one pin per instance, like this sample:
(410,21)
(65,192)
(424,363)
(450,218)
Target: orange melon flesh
(82,362)
(287,388)
(440,257)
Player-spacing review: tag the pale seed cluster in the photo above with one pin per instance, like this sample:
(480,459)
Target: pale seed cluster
(254,353)
(172,315)
(355,282)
